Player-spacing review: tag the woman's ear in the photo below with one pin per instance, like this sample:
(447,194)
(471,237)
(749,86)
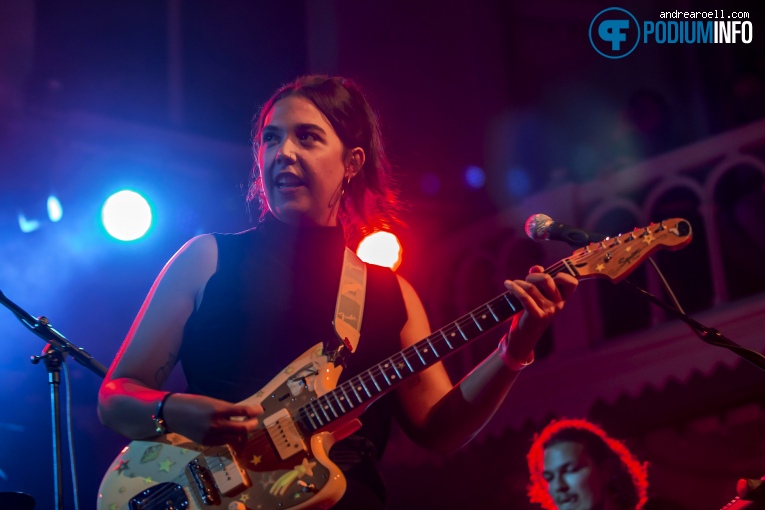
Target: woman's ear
(356,160)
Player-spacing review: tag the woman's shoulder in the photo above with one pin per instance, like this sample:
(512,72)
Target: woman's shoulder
(197,257)
(200,246)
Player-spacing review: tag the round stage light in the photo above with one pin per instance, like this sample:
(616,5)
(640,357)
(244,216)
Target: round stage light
(126,215)
(381,249)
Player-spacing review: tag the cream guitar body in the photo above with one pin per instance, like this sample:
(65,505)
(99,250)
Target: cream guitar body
(277,468)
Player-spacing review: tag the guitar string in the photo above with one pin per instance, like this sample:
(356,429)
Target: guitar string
(449,330)
(260,438)
(352,386)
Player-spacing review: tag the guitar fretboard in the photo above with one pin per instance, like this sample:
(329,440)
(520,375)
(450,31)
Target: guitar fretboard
(384,376)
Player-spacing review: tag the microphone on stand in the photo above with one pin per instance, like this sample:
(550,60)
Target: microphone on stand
(541,227)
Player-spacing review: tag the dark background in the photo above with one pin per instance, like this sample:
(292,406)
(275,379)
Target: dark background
(160,95)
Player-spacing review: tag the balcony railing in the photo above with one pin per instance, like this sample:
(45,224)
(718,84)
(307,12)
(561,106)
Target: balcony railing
(608,342)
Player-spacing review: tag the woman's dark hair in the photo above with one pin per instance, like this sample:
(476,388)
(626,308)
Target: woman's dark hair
(370,200)
(628,483)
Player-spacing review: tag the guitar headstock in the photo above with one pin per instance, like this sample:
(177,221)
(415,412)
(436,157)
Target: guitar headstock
(616,257)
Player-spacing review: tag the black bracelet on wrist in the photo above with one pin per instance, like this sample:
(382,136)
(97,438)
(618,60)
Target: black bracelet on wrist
(158,418)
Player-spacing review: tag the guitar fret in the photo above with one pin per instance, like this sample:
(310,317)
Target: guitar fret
(365,386)
(308,415)
(329,405)
(403,355)
(390,372)
(492,312)
(385,376)
(419,355)
(446,339)
(488,321)
(358,397)
(461,332)
(339,403)
(432,348)
(568,266)
(313,423)
(316,414)
(476,322)
(429,353)
(393,364)
(510,303)
(372,376)
(347,398)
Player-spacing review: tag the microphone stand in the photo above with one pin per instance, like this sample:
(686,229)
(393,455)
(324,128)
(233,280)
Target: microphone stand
(707,334)
(53,357)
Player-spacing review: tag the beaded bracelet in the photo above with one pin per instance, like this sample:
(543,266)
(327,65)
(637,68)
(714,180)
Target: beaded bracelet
(512,363)
(158,418)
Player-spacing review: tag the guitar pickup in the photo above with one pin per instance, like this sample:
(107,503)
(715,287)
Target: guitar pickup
(284,434)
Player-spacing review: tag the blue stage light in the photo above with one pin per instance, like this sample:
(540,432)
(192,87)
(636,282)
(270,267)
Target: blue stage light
(126,215)
(55,211)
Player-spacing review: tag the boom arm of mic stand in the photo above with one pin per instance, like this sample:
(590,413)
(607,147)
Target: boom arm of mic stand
(707,334)
(41,328)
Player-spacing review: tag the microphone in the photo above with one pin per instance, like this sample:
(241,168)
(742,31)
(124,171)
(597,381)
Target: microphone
(541,227)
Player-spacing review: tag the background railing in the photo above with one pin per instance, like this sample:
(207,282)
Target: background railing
(608,341)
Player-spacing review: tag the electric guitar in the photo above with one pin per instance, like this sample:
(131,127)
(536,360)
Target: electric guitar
(284,464)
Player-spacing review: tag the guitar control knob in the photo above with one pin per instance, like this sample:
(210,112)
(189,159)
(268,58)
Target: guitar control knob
(237,505)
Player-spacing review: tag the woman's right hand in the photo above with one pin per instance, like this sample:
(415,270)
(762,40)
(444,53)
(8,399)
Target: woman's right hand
(209,421)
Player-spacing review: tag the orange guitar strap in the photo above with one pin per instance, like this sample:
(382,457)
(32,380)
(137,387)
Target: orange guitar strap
(349,309)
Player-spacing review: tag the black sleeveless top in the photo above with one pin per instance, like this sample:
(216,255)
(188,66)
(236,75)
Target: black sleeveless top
(273,297)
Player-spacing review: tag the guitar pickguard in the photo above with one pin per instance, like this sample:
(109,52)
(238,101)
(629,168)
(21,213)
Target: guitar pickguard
(277,468)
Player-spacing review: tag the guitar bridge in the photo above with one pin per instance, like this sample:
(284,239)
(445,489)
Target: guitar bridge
(204,483)
(169,495)
(284,434)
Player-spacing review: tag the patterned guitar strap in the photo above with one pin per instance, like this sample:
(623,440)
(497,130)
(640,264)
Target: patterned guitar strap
(349,308)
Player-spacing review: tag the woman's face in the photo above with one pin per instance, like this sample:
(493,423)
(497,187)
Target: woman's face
(574,480)
(302,163)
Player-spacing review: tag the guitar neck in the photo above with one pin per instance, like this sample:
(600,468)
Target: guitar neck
(371,384)
(613,259)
